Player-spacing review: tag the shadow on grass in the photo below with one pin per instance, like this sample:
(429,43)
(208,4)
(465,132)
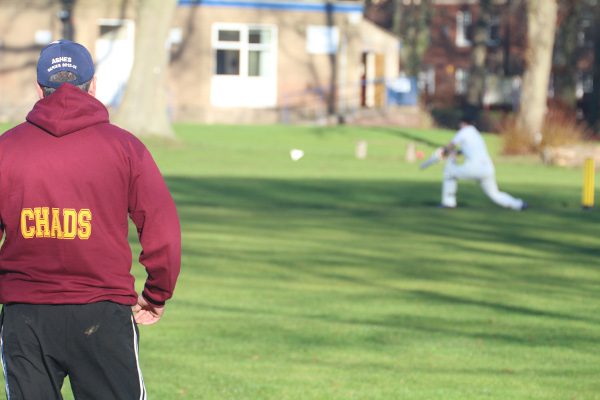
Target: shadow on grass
(410,137)
(374,236)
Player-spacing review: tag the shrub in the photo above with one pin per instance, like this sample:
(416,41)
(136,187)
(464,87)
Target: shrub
(560,128)
(491,120)
(514,140)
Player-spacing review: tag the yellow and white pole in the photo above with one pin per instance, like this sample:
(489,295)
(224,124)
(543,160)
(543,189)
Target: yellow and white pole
(587,200)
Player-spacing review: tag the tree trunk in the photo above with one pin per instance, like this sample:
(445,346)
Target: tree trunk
(594,113)
(66,17)
(566,52)
(476,87)
(333,64)
(397,18)
(144,109)
(411,24)
(541,27)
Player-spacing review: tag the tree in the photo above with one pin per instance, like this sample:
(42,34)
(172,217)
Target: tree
(476,87)
(411,23)
(566,51)
(594,114)
(541,29)
(333,64)
(144,107)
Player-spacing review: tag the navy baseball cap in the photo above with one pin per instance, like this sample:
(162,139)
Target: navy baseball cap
(64,55)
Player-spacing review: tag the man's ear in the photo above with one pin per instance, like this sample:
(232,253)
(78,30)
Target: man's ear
(39,90)
(92,89)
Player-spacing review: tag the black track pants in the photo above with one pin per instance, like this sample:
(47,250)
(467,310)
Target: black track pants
(96,345)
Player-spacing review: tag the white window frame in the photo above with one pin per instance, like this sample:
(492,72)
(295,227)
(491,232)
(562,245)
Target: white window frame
(463,20)
(243,90)
(244,46)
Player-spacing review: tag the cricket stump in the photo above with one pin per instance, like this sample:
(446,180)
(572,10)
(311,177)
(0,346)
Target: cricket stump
(587,200)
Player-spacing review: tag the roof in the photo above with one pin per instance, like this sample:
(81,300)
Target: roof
(341,7)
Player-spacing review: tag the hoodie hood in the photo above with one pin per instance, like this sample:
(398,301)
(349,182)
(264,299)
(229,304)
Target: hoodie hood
(67,110)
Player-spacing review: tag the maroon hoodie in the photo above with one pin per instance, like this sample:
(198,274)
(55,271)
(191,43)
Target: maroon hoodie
(68,181)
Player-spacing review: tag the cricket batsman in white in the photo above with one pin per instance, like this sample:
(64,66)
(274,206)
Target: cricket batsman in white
(477,166)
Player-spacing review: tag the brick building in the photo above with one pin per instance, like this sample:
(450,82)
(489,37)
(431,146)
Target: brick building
(445,65)
(448,59)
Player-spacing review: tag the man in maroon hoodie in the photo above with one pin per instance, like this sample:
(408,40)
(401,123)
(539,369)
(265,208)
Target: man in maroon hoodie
(68,182)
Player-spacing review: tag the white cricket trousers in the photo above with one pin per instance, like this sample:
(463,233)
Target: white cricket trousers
(479,170)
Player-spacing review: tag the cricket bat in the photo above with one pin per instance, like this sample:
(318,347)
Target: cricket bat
(436,157)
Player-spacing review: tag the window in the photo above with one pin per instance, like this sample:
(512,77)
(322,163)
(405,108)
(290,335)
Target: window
(322,39)
(228,62)
(494,31)
(461,77)
(244,50)
(244,65)
(426,80)
(463,28)
(43,37)
(584,84)
(229,36)
(585,33)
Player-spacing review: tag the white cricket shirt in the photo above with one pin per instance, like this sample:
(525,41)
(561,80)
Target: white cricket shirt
(469,140)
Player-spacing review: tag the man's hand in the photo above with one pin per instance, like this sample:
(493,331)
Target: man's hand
(448,149)
(146,313)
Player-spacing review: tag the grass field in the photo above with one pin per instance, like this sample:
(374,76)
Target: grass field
(335,278)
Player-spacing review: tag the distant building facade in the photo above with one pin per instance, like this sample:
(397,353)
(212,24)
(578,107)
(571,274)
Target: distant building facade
(232,61)
(448,60)
(445,66)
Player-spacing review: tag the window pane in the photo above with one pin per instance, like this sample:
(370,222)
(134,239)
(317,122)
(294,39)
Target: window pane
(494,33)
(463,29)
(259,36)
(254,63)
(229,36)
(460,83)
(259,63)
(228,62)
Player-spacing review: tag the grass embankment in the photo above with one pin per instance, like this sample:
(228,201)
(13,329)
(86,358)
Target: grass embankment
(334,278)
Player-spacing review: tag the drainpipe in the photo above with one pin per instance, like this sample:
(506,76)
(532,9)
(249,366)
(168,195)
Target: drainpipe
(66,17)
